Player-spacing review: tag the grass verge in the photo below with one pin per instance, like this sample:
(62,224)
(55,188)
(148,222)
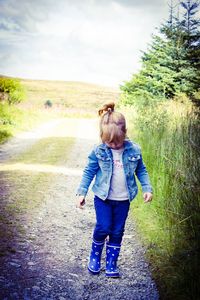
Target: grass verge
(14,119)
(170,225)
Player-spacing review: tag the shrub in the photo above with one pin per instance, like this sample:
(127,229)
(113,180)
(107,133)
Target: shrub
(4,135)
(48,104)
(11,90)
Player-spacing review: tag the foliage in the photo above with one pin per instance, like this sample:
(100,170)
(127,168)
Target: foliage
(5,116)
(169,136)
(196,96)
(4,135)
(48,103)
(13,89)
(171,64)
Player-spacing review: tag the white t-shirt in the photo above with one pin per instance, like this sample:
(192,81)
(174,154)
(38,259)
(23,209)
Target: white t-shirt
(118,190)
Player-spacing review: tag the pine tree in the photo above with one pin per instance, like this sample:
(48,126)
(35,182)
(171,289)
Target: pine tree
(190,27)
(156,79)
(171,64)
(190,24)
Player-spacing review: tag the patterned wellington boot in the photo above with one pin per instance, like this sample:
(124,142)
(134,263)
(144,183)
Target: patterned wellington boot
(94,264)
(112,253)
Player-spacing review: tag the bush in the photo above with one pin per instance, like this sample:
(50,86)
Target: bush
(4,135)
(5,115)
(11,90)
(48,104)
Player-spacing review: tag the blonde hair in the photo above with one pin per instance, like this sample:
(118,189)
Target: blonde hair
(112,124)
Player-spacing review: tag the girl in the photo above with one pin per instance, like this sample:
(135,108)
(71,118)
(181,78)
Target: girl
(113,163)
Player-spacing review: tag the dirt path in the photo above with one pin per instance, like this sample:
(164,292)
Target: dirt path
(46,258)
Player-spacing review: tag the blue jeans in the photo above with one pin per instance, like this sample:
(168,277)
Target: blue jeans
(110,219)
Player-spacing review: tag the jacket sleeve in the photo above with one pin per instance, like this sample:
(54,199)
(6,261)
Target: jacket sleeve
(142,175)
(88,174)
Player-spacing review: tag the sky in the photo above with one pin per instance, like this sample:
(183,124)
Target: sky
(96,41)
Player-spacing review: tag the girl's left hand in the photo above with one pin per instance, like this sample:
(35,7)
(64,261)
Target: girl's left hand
(147,197)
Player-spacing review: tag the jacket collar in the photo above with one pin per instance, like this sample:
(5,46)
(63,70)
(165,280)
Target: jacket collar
(127,145)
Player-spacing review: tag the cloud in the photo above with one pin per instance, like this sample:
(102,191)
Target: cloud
(97,41)
(25,13)
(140,3)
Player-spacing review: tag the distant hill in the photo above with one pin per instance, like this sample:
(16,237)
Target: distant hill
(67,94)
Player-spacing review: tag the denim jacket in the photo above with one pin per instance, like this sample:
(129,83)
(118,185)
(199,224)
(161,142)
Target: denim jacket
(100,166)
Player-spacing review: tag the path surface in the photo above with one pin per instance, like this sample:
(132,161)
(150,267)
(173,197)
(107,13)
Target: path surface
(50,257)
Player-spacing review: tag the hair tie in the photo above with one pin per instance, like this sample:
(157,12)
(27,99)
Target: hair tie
(106,109)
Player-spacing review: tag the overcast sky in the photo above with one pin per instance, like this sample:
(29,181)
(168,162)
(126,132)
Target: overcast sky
(96,41)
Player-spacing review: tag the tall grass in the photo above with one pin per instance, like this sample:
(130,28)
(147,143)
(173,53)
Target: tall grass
(169,134)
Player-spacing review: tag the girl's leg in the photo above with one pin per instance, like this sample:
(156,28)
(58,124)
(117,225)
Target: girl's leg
(119,214)
(120,211)
(102,229)
(103,226)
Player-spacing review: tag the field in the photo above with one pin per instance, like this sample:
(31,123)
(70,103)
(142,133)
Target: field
(73,97)
(65,99)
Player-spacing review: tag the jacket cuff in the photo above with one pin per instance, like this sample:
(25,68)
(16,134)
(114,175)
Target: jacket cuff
(147,189)
(81,191)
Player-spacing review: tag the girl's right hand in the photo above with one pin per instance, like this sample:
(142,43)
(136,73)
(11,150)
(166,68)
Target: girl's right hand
(80,202)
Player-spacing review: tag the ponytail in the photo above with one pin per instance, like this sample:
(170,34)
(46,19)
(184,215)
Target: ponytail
(107,108)
(106,111)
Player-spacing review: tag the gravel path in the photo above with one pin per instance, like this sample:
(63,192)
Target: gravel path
(50,261)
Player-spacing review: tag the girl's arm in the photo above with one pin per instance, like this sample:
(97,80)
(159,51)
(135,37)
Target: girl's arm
(88,174)
(142,175)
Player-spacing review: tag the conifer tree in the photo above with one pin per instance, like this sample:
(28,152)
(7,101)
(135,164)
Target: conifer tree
(190,27)
(171,64)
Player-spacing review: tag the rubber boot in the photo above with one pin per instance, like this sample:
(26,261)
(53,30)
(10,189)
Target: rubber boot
(94,264)
(112,254)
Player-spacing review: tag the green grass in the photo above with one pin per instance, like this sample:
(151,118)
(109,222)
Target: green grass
(53,152)
(170,225)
